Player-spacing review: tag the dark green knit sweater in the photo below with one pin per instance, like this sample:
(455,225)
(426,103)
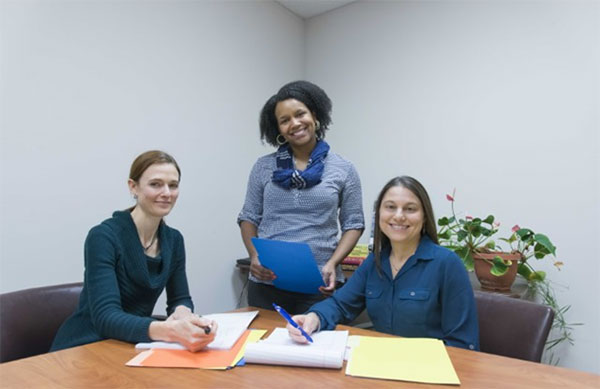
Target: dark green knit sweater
(122,284)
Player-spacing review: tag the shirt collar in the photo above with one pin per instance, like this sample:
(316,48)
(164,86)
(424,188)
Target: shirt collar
(425,251)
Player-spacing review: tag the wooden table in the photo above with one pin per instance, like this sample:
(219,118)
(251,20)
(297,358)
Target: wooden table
(102,364)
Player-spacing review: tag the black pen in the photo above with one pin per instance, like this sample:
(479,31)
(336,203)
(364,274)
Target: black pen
(207,329)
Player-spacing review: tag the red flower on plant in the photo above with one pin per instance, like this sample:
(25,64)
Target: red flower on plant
(449,198)
(469,217)
(516,228)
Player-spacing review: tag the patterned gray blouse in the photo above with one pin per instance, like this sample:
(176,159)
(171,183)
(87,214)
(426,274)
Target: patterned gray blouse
(305,215)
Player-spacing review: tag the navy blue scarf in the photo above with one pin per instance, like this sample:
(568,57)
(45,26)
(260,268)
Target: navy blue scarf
(287,177)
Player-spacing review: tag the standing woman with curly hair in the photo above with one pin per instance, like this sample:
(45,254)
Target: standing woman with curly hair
(303,192)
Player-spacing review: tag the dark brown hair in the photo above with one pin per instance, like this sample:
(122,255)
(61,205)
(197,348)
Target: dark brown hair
(147,159)
(380,241)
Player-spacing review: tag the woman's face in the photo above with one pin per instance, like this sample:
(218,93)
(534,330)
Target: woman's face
(401,215)
(296,123)
(157,190)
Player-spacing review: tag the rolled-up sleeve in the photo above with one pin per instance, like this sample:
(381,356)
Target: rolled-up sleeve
(351,211)
(252,210)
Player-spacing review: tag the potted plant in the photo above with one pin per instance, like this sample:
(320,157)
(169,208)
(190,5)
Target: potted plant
(471,239)
(496,267)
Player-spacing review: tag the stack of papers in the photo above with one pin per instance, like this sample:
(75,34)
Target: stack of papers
(204,359)
(327,350)
(406,359)
(224,352)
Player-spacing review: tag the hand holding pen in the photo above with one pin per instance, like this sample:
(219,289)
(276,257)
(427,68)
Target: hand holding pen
(300,327)
(194,332)
(184,327)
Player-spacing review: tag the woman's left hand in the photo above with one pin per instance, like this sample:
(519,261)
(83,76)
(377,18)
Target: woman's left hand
(328,273)
(180,312)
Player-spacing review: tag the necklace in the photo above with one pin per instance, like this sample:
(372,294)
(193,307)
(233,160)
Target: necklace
(151,242)
(396,268)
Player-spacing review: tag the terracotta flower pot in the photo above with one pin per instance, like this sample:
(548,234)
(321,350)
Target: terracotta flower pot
(488,280)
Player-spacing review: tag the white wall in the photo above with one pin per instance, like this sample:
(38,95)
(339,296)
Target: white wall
(87,86)
(498,99)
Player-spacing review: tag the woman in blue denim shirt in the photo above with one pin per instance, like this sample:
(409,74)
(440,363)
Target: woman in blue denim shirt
(410,285)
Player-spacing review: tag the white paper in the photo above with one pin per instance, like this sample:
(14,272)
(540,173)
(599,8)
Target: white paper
(353,341)
(327,350)
(231,327)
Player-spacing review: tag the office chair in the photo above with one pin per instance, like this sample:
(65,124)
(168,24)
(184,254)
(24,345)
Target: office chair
(30,318)
(512,327)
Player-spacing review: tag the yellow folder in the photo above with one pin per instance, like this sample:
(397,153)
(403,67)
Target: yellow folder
(406,359)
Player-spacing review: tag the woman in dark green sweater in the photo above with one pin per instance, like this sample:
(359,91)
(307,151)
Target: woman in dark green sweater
(129,260)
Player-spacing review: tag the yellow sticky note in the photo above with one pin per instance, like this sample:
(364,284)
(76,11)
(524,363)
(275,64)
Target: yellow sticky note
(406,359)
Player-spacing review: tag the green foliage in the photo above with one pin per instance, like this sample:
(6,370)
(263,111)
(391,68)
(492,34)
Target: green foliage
(561,330)
(469,235)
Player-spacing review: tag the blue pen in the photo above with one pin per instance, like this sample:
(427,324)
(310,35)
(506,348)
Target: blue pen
(289,319)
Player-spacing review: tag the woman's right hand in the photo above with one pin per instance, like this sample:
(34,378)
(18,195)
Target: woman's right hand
(260,272)
(188,331)
(309,323)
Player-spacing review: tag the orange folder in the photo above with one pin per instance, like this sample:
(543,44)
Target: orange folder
(204,359)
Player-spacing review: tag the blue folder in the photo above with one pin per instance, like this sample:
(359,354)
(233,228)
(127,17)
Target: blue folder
(293,263)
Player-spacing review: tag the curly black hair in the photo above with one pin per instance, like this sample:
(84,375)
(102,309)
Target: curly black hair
(315,99)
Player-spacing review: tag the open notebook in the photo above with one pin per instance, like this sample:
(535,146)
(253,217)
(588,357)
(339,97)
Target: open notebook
(231,327)
(327,350)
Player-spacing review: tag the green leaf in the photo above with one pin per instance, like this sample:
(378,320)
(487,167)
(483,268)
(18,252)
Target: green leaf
(490,245)
(537,276)
(489,219)
(444,235)
(540,251)
(476,231)
(544,241)
(461,235)
(443,221)
(499,267)
(524,233)
(486,231)
(451,220)
(524,270)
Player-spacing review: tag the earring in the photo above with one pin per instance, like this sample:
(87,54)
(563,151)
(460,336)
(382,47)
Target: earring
(135,197)
(280,142)
(319,134)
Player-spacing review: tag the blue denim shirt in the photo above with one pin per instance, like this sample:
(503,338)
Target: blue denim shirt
(430,297)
